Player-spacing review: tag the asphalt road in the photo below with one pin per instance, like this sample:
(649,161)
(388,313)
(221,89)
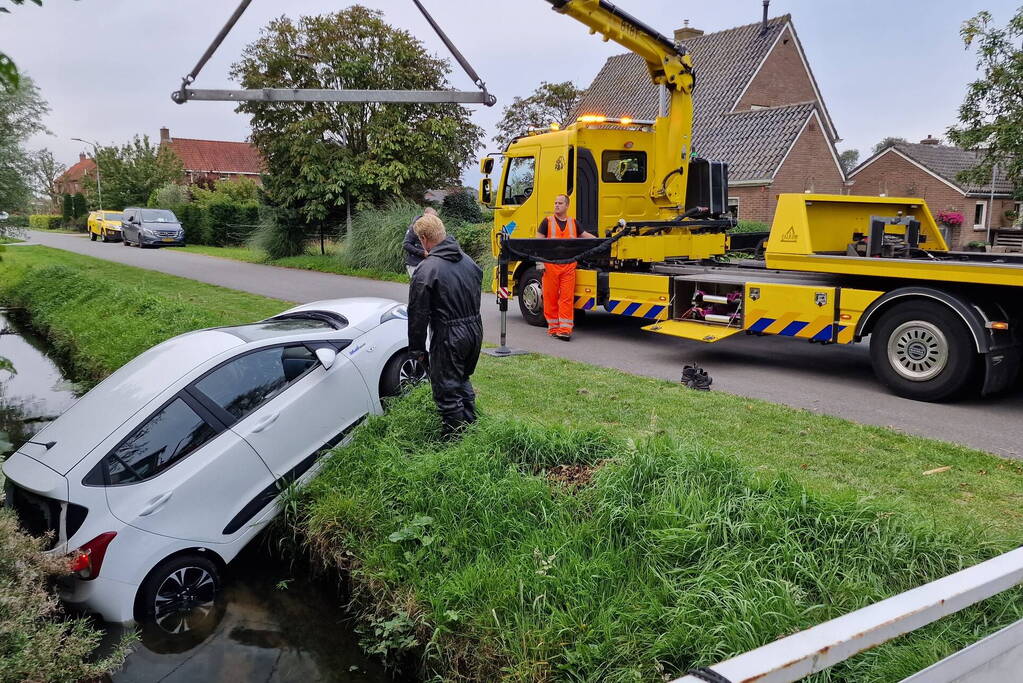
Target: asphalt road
(834,380)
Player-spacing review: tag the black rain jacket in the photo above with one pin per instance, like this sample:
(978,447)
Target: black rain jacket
(445,293)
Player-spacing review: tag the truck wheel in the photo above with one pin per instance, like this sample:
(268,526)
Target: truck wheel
(531,297)
(924,351)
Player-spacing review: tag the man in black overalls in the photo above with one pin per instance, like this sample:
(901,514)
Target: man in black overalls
(445,296)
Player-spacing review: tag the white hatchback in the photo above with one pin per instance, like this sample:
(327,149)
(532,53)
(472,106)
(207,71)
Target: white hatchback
(159,476)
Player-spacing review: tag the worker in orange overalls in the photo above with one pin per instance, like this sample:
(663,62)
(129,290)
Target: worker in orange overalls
(559,278)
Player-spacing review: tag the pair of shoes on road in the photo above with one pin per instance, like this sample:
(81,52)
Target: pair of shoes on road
(563,336)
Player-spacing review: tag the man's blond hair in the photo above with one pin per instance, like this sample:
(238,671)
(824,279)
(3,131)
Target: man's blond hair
(430,228)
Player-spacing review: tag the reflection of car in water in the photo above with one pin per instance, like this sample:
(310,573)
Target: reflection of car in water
(161,474)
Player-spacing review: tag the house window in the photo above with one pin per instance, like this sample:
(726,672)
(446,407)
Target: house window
(1017,207)
(979,214)
(733,207)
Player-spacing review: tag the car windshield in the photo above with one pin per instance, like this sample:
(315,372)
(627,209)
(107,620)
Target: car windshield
(113,216)
(279,328)
(158,216)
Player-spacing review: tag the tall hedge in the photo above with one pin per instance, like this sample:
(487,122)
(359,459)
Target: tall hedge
(45,221)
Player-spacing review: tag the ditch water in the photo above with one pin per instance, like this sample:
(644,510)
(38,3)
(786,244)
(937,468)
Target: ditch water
(272,623)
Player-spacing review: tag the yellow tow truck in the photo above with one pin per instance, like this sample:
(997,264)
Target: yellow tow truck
(834,269)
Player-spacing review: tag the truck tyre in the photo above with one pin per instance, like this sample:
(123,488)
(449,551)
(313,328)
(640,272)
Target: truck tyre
(530,295)
(924,351)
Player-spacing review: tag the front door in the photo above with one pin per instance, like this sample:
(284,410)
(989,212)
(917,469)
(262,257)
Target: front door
(287,406)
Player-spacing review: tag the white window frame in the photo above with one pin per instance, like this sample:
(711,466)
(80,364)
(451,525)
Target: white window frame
(1018,208)
(983,216)
(734,201)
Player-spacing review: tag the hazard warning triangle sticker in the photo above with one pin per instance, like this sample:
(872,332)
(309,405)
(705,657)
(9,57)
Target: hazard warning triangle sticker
(789,236)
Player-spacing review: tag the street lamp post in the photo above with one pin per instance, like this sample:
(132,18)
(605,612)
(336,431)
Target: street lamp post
(95,156)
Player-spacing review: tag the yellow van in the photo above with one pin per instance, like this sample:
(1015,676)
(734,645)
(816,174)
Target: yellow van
(106,225)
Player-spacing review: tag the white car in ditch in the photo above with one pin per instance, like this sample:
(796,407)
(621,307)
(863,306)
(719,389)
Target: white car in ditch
(154,480)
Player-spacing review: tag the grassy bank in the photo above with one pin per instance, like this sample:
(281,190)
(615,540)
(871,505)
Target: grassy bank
(705,523)
(546,549)
(100,314)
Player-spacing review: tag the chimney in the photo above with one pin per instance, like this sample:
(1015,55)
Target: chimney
(165,134)
(763,25)
(81,156)
(686,32)
(930,141)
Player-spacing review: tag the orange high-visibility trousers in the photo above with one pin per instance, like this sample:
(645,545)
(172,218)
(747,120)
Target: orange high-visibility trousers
(559,297)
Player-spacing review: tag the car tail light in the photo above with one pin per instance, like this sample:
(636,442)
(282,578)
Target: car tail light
(87,560)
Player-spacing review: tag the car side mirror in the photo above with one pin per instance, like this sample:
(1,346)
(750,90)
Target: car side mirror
(326,357)
(486,191)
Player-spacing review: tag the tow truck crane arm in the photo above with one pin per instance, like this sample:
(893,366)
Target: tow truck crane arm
(669,65)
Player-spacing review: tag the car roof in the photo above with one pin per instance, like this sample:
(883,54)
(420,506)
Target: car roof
(93,417)
(363,313)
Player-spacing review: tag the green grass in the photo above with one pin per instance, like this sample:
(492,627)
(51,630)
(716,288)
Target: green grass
(714,523)
(100,314)
(678,554)
(10,240)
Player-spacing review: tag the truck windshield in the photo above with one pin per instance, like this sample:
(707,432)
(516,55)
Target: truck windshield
(158,216)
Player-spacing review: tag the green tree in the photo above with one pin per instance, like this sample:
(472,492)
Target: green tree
(46,170)
(849,158)
(325,159)
(551,102)
(887,142)
(461,205)
(991,115)
(130,173)
(171,194)
(241,191)
(9,76)
(21,112)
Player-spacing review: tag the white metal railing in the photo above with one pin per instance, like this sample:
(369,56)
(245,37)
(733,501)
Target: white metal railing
(824,645)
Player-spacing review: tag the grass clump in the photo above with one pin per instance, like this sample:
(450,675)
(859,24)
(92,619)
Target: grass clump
(37,643)
(672,557)
(374,242)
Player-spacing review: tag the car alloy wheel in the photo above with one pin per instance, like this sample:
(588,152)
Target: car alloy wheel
(411,373)
(185,597)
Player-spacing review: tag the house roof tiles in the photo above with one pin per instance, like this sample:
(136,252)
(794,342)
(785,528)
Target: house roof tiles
(753,142)
(948,162)
(216,156)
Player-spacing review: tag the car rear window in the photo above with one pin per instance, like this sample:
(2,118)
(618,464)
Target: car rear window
(162,440)
(270,329)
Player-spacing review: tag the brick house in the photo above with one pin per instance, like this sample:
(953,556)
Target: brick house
(756,106)
(928,170)
(207,161)
(72,181)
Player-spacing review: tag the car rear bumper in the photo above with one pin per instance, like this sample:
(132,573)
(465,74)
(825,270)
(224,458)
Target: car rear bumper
(112,600)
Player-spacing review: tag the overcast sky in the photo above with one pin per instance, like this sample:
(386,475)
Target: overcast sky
(107,67)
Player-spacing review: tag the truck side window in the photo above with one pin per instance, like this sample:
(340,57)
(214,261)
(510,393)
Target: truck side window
(623,166)
(518,183)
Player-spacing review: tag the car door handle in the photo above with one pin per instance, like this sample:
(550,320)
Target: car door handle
(155,504)
(264,422)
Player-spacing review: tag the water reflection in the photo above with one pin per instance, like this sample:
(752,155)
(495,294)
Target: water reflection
(257,630)
(36,393)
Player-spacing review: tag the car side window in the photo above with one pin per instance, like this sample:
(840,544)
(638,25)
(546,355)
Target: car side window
(518,182)
(164,439)
(243,384)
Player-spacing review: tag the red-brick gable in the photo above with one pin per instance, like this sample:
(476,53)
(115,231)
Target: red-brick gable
(216,156)
(71,180)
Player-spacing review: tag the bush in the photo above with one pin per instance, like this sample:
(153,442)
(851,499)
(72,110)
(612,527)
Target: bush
(751,226)
(220,215)
(375,239)
(45,221)
(192,219)
(462,206)
(474,240)
(281,233)
(171,194)
(39,644)
(17,221)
